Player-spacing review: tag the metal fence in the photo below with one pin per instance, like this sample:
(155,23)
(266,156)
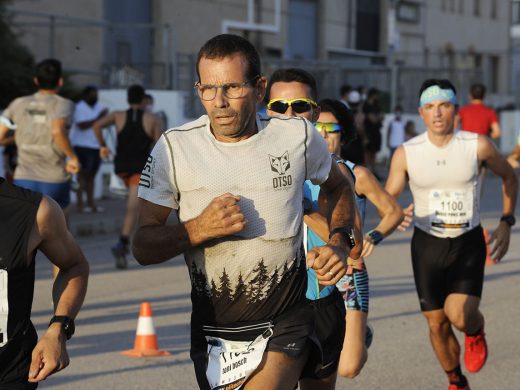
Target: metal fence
(399,84)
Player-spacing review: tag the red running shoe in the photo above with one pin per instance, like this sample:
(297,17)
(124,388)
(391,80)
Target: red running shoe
(475,351)
(455,387)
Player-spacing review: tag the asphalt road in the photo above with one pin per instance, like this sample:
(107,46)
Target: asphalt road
(399,358)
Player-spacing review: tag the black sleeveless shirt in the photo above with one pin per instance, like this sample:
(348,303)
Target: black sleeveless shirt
(18,209)
(133,144)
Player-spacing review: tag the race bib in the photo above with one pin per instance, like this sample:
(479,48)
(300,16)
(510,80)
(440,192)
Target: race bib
(231,362)
(452,209)
(4,307)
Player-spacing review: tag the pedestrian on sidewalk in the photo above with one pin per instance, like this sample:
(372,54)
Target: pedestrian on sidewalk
(137,132)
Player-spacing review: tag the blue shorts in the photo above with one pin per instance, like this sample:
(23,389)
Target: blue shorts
(60,192)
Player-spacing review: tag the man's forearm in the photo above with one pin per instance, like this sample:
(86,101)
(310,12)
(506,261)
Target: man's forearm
(69,289)
(341,206)
(510,191)
(63,144)
(156,244)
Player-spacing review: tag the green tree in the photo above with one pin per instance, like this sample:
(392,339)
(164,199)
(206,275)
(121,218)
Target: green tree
(17,64)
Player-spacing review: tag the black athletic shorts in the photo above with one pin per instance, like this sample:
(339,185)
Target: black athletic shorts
(330,331)
(443,266)
(89,159)
(15,359)
(293,334)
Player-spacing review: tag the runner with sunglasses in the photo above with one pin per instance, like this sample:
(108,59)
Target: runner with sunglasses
(288,91)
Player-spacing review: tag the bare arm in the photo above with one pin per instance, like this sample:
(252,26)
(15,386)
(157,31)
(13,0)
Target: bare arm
(387,207)
(397,179)
(330,260)
(88,124)
(156,242)
(98,126)
(496,132)
(61,139)
(51,236)
(487,152)
(3,134)
(153,126)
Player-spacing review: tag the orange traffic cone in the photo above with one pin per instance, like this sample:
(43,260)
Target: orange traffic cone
(489,260)
(145,344)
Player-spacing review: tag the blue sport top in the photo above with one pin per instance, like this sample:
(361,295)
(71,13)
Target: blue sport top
(310,196)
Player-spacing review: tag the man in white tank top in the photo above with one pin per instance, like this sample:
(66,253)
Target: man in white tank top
(236,181)
(448,249)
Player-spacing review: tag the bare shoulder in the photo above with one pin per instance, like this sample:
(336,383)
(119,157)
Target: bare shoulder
(49,218)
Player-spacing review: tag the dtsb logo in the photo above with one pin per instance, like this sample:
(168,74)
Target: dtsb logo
(281,165)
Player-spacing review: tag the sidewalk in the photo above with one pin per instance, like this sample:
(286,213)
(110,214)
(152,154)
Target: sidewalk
(107,222)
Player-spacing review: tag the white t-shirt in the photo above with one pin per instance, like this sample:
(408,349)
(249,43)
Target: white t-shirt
(82,113)
(396,133)
(260,271)
(445,184)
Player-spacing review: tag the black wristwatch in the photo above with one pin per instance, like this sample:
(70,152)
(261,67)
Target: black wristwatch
(67,324)
(376,236)
(347,232)
(509,219)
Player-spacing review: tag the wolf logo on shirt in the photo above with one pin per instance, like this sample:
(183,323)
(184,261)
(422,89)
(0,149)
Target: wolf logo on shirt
(280,164)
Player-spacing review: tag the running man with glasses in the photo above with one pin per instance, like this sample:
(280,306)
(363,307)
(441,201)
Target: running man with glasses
(236,182)
(293,92)
(448,248)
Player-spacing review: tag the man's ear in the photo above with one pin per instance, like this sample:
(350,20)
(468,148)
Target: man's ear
(60,82)
(35,81)
(261,87)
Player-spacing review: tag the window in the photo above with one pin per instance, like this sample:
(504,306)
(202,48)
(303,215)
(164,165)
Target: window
(476,7)
(461,7)
(452,6)
(495,67)
(516,12)
(494,10)
(408,12)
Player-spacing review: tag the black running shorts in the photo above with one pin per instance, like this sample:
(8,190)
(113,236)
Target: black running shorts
(293,334)
(443,266)
(330,331)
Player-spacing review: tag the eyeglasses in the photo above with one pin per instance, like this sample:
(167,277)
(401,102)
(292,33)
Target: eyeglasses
(299,106)
(230,90)
(328,127)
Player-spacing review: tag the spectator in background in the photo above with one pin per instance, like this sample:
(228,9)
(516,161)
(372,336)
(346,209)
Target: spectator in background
(373,121)
(86,146)
(477,117)
(343,93)
(353,150)
(137,131)
(395,135)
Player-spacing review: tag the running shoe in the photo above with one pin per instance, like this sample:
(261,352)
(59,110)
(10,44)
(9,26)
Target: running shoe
(120,251)
(369,336)
(475,351)
(455,387)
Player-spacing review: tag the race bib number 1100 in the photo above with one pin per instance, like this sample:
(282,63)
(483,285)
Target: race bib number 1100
(451,209)
(4,307)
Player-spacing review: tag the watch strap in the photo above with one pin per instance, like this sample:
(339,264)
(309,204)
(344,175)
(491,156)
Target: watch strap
(348,232)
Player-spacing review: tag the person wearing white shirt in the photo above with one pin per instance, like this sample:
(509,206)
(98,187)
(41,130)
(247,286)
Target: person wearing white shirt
(86,146)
